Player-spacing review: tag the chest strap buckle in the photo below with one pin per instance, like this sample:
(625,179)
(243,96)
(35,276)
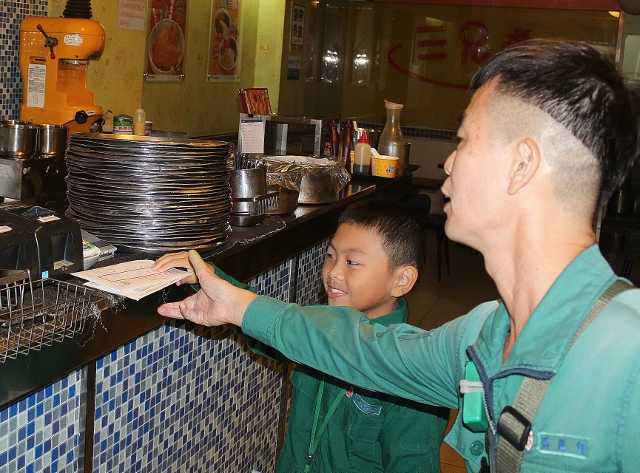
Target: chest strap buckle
(514,427)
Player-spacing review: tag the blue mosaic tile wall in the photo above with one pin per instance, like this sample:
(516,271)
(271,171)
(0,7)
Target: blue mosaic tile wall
(310,273)
(186,399)
(11,14)
(274,283)
(45,431)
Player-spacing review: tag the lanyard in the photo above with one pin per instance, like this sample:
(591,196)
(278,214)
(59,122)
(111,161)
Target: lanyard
(316,436)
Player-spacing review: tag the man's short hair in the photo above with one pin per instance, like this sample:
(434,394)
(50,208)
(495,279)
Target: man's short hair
(580,89)
(399,227)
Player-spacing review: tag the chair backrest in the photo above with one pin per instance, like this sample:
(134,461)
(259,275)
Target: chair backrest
(419,202)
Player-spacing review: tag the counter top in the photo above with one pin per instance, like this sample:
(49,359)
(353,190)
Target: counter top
(245,259)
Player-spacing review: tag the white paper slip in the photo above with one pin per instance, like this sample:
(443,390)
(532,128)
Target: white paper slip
(132,279)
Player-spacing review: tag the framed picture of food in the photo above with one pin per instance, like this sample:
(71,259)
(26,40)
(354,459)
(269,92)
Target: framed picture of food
(224,50)
(166,42)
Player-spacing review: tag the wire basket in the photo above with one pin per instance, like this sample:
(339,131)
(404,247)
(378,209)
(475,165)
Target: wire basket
(40,312)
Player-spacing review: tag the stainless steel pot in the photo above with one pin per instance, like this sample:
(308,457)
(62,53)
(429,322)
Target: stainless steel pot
(248,182)
(52,139)
(287,199)
(18,139)
(321,179)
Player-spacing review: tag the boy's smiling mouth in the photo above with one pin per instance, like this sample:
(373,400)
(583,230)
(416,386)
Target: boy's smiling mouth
(333,292)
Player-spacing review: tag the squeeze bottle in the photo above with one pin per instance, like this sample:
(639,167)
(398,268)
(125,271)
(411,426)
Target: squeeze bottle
(362,156)
(139,122)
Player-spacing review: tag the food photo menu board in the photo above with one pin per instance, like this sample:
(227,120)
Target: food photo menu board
(167,40)
(224,48)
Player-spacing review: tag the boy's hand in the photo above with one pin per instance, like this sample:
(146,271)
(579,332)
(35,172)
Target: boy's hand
(176,260)
(217,302)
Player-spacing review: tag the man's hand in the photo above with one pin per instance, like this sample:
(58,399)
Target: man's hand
(217,302)
(176,260)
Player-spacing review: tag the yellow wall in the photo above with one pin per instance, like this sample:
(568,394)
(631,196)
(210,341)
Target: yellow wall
(193,105)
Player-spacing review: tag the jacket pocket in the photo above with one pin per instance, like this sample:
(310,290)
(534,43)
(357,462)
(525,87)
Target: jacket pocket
(364,423)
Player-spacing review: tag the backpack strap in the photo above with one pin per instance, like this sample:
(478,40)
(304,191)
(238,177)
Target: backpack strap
(514,423)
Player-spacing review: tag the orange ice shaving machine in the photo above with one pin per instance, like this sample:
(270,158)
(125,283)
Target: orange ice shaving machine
(54,60)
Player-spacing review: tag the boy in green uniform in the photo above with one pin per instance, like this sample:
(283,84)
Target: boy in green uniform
(372,261)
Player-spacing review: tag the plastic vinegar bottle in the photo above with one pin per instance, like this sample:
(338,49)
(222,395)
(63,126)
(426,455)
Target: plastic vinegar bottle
(139,122)
(362,156)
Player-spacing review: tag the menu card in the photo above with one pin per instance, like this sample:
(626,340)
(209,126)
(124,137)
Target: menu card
(132,279)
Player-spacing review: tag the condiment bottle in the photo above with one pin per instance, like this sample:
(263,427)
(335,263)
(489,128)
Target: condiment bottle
(362,156)
(345,147)
(139,118)
(332,142)
(391,140)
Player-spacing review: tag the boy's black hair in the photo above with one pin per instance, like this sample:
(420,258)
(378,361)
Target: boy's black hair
(399,226)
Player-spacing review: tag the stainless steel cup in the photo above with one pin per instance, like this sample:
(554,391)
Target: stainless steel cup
(248,182)
(18,139)
(52,139)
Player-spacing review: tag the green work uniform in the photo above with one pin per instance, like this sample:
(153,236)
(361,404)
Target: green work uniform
(367,432)
(589,418)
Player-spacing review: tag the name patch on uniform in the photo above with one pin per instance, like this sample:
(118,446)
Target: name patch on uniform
(365,407)
(564,445)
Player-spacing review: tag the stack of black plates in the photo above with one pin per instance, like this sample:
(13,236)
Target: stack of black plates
(150,194)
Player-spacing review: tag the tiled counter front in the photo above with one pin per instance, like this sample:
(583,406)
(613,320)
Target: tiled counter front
(309,276)
(45,431)
(186,398)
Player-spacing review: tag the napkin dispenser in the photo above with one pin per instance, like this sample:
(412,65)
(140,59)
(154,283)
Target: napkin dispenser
(18,248)
(57,238)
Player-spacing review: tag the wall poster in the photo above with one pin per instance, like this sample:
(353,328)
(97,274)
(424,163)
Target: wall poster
(167,40)
(297,29)
(224,52)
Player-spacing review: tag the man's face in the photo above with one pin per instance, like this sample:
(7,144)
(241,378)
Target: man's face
(356,272)
(475,175)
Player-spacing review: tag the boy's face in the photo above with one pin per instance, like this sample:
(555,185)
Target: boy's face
(356,272)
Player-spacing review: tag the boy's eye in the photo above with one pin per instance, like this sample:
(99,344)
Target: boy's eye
(329,256)
(351,262)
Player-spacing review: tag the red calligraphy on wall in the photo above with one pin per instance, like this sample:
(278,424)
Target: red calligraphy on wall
(474,36)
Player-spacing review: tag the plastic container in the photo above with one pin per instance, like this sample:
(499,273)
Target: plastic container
(385,166)
(362,156)
(391,139)
(139,122)
(123,125)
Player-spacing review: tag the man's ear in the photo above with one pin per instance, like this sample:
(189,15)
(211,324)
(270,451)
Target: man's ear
(406,277)
(525,163)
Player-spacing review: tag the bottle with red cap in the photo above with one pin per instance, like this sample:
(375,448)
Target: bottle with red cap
(362,156)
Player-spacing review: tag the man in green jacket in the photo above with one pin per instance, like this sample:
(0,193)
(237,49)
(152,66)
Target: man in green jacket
(372,261)
(548,136)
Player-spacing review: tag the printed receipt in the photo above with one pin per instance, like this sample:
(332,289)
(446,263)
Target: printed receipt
(132,279)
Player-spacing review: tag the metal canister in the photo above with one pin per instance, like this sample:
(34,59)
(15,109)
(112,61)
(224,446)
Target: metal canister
(123,124)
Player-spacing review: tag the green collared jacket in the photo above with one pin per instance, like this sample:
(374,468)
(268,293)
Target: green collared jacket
(589,418)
